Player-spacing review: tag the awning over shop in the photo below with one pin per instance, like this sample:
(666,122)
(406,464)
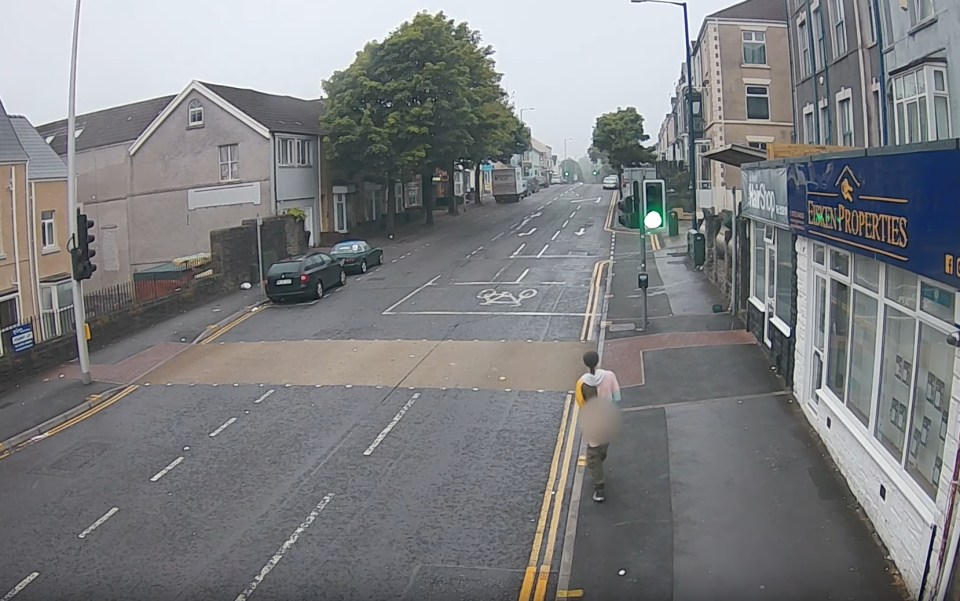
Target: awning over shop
(736,155)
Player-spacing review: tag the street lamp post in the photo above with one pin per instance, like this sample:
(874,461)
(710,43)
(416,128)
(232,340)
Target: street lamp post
(529,108)
(79,313)
(692,145)
(566,157)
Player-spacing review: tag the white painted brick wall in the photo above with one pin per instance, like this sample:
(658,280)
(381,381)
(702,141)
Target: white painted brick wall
(902,527)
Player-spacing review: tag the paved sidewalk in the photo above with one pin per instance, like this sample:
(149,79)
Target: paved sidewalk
(716,488)
(58,390)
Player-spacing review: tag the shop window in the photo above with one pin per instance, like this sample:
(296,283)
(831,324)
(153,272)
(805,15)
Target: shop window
(901,287)
(819,333)
(862,353)
(837,343)
(785,270)
(759,250)
(896,370)
(819,254)
(866,273)
(931,407)
(840,262)
(937,301)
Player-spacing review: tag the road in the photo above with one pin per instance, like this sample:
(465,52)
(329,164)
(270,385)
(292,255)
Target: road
(405,437)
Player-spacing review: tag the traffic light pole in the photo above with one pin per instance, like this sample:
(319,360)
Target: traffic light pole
(79,312)
(643,253)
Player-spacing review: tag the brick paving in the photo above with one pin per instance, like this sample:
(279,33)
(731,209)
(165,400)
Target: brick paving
(130,369)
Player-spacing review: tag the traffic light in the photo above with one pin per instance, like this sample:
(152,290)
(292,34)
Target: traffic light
(82,255)
(654,204)
(629,212)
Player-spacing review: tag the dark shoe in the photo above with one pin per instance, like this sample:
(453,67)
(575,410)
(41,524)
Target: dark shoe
(598,496)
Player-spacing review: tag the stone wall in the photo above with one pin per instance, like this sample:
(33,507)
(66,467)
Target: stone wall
(234,250)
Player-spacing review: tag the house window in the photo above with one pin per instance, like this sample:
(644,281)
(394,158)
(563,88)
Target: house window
(304,153)
(9,319)
(286,152)
(759,256)
(839,27)
(871,22)
(845,122)
(229,163)
(888,364)
(809,127)
(824,124)
(819,46)
(48,230)
(195,114)
(920,11)
(758,102)
(56,308)
(758,145)
(804,43)
(784,285)
(754,48)
(922,105)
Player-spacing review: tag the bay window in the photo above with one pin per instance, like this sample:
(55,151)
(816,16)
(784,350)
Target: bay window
(922,105)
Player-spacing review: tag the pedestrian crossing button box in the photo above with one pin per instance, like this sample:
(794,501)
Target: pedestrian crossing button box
(643,280)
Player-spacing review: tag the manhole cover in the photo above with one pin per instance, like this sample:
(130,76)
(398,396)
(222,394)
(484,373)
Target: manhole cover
(621,327)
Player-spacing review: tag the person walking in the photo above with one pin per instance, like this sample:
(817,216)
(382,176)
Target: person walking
(597,393)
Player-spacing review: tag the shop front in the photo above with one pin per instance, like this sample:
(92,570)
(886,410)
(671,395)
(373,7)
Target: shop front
(876,363)
(771,299)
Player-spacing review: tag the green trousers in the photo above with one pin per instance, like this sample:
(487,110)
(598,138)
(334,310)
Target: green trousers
(595,458)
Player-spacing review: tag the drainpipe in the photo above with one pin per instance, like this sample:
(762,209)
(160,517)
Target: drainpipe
(793,79)
(16,241)
(813,71)
(826,77)
(34,255)
(947,523)
(863,83)
(883,73)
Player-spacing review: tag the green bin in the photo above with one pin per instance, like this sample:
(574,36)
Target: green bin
(673,224)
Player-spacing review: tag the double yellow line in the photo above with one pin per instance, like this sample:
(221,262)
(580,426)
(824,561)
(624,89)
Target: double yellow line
(591,313)
(536,577)
(226,328)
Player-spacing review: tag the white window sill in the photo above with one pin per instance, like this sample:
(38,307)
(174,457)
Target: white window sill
(49,250)
(781,325)
(924,505)
(751,66)
(3,256)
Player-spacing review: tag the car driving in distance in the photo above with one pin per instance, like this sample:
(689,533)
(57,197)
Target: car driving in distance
(303,277)
(610,182)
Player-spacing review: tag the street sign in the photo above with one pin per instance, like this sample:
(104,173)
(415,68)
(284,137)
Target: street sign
(22,337)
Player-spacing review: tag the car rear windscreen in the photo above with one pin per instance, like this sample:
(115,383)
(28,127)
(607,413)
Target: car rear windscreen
(286,267)
(353,247)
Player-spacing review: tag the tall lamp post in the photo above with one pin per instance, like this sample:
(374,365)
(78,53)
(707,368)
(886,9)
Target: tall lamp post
(79,313)
(692,151)
(566,157)
(529,108)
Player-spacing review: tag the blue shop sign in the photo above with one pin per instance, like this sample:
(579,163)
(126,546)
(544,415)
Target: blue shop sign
(21,337)
(898,208)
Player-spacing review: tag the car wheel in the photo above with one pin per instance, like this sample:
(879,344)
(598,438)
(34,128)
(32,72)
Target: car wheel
(380,259)
(343,278)
(363,266)
(319,292)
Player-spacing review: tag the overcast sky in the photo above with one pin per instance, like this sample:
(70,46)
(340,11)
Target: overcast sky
(570,60)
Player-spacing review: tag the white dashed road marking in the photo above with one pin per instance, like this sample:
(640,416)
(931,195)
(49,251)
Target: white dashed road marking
(20,586)
(396,419)
(98,523)
(167,469)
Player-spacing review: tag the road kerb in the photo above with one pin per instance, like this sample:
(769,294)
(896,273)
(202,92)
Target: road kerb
(226,321)
(16,442)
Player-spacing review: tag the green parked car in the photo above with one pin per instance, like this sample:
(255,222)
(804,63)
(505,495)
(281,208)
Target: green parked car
(357,255)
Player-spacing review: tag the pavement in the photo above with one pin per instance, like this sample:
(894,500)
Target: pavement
(412,436)
(716,487)
(404,437)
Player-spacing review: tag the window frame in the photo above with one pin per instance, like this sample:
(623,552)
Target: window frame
(15,297)
(895,467)
(194,107)
(819,53)
(838,26)
(845,96)
(232,162)
(803,42)
(809,134)
(748,95)
(304,152)
(755,45)
(51,225)
(925,99)
(52,319)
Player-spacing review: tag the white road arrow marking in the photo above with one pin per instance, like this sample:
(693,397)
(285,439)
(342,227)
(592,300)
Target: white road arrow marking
(580,232)
(528,233)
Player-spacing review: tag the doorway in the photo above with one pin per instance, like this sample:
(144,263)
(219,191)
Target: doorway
(340,212)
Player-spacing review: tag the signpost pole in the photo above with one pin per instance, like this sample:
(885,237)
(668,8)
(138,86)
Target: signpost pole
(260,254)
(643,251)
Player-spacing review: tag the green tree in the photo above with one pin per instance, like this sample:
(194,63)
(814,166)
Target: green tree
(618,138)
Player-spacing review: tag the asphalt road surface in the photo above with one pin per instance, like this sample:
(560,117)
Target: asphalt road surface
(405,437)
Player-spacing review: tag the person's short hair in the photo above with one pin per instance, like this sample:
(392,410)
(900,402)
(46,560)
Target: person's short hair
(591,359)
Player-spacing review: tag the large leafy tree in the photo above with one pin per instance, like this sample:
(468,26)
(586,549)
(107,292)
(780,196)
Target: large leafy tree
(426,97)
(618,138)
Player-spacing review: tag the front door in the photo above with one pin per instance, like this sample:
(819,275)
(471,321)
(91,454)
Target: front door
(340,213)
(309,226)
(770,300)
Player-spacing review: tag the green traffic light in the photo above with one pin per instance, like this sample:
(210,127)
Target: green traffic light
(653,220)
